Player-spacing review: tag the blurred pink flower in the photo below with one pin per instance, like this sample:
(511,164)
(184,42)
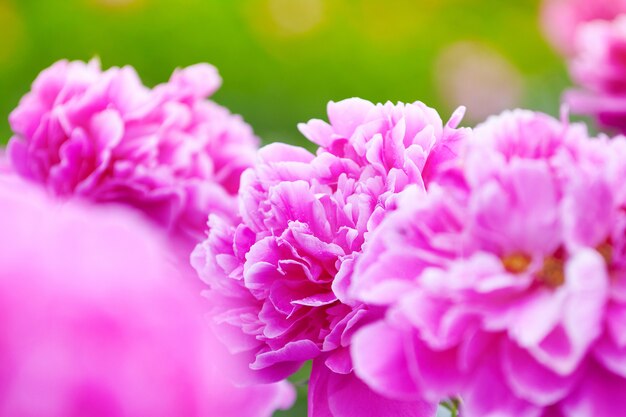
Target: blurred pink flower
(506,285)
(561,19)
(599,67)
(104,136)
(95,323)
(280,276)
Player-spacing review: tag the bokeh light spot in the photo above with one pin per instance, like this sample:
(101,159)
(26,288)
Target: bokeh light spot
(118,4)
(286,20)
(475,75)
(394,21)
(296,16)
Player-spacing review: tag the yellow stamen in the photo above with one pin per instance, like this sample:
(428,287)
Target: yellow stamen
(516,263)
(552,273)
(606,251)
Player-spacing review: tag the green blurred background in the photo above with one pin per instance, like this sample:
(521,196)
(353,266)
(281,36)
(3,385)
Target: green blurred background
(283,60)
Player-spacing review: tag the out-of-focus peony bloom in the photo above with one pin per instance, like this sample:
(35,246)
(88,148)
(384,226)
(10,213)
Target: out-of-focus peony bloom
(600,68)
(104,136)
(280,276)
(561,19)
(506,284)
(95,323)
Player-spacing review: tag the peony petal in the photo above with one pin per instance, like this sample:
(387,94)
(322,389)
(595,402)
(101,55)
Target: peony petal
(530,380)
(338,395)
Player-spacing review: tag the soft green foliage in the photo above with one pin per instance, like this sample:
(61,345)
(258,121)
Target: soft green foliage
(299,380)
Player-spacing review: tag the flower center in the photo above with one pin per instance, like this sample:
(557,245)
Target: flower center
(606,251)
(552,272)
(516,263)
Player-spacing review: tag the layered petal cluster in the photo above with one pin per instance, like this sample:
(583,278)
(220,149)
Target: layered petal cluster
(104,136)
(95,323)
(599,67)
(562,19)
(506,284)
(280,276)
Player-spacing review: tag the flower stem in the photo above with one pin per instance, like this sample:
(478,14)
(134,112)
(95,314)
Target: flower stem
(452,406)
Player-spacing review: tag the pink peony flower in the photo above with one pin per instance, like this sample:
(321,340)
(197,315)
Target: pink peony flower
(95,323)
(506,284)
(561,19)
(599,67)
(280,276)
(103,136)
